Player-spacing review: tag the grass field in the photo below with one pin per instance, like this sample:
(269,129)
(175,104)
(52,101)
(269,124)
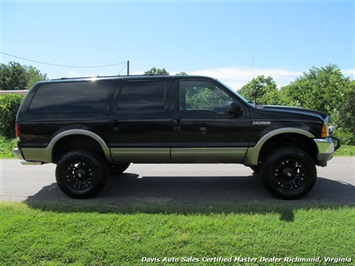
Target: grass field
(245,234)
(47,234)
(345,150)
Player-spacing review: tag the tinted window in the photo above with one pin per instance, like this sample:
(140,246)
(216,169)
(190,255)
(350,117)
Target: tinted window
(146,96)
(201,95)
(71,97)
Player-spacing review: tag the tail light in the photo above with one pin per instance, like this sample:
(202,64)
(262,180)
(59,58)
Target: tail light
(18,132)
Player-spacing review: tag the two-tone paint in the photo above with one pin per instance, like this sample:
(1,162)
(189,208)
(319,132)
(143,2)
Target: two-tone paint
(172,136)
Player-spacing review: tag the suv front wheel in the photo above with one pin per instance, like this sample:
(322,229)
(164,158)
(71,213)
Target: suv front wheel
(288,173)
(81,174)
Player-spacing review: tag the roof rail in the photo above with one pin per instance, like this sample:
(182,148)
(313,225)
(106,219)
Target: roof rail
(112,76)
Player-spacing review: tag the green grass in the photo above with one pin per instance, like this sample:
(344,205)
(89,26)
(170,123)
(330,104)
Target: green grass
(345,150)
(55,234)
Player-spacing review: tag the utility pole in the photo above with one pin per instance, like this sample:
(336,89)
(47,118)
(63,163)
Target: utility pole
(127,67)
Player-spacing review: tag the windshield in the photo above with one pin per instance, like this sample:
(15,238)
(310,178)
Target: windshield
(236,93)
(241,97)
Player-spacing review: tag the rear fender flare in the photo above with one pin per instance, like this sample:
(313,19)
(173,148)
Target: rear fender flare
(79,132)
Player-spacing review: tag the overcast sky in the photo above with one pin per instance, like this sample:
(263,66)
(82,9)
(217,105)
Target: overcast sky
(233,41)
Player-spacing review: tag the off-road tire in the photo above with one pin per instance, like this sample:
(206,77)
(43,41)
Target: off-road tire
(81,174)
(288,173)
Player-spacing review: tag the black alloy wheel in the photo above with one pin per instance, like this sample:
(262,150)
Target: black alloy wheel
(81,174)
(288,173)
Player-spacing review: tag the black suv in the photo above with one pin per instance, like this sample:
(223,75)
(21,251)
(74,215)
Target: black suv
(93,127)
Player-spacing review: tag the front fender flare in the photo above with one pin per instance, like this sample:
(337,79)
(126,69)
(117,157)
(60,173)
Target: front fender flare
(252,156)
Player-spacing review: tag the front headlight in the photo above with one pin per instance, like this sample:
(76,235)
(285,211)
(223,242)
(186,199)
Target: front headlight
(326,129)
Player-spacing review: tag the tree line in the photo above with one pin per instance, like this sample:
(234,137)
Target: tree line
(324,89)
(14,76)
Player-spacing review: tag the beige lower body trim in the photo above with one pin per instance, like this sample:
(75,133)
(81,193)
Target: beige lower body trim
(208,155)
(141,155)
(178,155)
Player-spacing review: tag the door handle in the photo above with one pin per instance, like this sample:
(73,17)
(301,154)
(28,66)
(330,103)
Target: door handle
(203,130)
(176,124)
(114,124)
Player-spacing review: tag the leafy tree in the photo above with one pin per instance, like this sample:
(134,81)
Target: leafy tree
(321,89)
(346,116)
(261,90)
(34,75)
(12,77)
(17,77)
(347,109)
(182,74)
(156,71)
(326,89)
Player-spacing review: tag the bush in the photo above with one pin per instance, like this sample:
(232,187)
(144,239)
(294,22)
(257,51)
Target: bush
(9,105)
(346,137)
(6,147)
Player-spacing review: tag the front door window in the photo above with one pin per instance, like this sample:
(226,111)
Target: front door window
(200,95)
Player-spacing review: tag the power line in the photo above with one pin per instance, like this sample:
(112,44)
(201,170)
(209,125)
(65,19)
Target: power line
(119,73)
(59,65)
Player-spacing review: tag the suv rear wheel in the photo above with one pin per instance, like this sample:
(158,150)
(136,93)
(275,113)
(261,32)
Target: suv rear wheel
(81,174)
(288,173)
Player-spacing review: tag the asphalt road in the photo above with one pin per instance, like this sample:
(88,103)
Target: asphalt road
(177,184)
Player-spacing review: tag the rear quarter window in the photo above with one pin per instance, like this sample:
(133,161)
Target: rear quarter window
(70,97)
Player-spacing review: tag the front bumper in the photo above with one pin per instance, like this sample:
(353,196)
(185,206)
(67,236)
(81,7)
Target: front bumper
(326,149)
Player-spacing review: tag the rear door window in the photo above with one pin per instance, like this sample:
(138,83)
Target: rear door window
(142,97)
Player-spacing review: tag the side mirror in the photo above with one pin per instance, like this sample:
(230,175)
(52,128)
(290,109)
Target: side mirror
(234,109)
